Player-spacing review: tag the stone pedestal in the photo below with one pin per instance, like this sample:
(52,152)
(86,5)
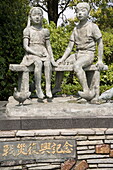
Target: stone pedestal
(83,130)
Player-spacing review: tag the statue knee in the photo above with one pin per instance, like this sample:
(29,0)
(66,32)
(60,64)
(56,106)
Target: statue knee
(38,63)
(76,68)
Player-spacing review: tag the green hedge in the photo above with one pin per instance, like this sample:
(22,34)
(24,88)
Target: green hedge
(13,18)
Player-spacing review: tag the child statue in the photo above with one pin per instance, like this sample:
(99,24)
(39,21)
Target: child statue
(85,36)
(38,50)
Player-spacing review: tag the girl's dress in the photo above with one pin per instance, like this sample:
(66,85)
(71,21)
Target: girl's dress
(37,42)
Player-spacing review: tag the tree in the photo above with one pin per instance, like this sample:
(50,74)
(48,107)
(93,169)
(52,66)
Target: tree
(52,7)
(13,19)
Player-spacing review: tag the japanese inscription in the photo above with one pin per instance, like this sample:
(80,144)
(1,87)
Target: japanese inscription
(41,150)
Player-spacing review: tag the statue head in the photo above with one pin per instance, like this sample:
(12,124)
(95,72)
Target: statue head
(35,16)
(83,5)
(82,10)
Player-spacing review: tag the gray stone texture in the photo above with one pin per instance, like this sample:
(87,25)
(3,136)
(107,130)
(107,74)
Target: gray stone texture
(60,107)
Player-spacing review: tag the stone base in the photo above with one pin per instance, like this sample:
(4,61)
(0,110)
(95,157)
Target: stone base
(64,118)
(62,113)
(59,107)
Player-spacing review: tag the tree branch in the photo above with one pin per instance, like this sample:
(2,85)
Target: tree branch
(64,8)
(38,5)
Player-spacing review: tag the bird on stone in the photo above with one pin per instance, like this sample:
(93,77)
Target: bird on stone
(21,96)
(107,95)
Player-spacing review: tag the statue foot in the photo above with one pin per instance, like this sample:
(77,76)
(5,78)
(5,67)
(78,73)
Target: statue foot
(49,94)
(40,95)
(88,95)
(56,90)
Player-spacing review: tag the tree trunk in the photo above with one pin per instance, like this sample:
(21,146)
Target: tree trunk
(52,6)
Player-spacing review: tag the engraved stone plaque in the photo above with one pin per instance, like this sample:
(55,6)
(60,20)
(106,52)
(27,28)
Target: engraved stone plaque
(40,150)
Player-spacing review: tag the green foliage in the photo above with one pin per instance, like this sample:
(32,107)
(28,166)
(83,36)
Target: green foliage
(104,15)
(59,38)
(70,84)
(107,76)
(13,18)
(108,46)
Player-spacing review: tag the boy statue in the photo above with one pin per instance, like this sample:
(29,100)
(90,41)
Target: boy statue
(85,36)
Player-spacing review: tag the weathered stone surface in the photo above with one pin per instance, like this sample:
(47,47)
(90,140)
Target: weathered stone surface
(67,165)
(91,156)
(36,165)
(109,136)
(96,137)
(92,165)
(109,141)
(100,131)
(111,153)
(81,166)
(85,131)
(85,152)
(105,165)
(100,169)
(111,146)
(58,109)
(109,131)
(10,124)
(104,148)
(90,142)
(104,160)
(45,167)
(43,150)
(16,163)
(8,133)
(80,138)
(69,132)
(11,168)
(9,139)
(82,147)
(47,132)
(91,147)
(25,133)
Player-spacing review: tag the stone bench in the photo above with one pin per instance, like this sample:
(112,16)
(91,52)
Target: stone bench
(92,73)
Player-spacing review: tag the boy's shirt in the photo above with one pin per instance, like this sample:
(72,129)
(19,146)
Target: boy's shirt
(85,37)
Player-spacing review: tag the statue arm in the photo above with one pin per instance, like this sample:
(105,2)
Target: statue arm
(98,38)
(49,49)
(100,49)
(48,46)
(67,52)
(27,48)
(100,64)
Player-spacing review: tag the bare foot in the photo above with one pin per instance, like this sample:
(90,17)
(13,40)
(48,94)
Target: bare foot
(40,95)
(49,94)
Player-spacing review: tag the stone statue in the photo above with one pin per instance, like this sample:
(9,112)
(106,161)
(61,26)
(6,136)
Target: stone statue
(38,50)
(85,36)
(107,95)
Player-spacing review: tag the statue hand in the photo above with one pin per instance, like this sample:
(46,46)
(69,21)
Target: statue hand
(59,61)
(54,63)
(100,65)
